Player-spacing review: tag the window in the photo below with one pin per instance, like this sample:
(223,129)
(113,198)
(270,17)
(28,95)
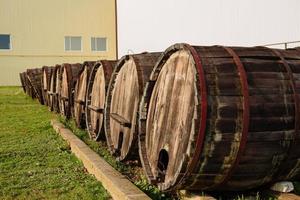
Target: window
(73,43)
(5,41)
(99,44)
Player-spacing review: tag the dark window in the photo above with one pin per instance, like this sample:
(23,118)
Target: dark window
(99,43)
(4,41)
(73,43)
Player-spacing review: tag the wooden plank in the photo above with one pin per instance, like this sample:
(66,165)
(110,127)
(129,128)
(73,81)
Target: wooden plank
(96,109)
(121,120)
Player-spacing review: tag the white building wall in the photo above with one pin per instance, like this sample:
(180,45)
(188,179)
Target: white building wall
(153,25)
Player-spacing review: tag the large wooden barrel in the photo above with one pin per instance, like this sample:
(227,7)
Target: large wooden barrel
(35,79)
(95,97)
(80,93)
(23,81)
(46,79)
(121,109)
(53,91)
(69,76)
(221,118)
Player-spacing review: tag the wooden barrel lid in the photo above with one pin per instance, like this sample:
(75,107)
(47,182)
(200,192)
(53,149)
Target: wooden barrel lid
(53,90)
(64,90)
(123,108)
(80,94)
(79,98)
(97,101)
(70,74)
(172,108)
(95,98)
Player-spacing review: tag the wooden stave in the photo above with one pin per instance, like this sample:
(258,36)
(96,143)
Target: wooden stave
(34,77)
(79,116)
(108,66)
(145,63)
(186,185)
(66,103)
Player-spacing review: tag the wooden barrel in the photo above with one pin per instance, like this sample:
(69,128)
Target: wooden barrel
(53,91)
(221,118)
(35,79)
(23,81)
(46,78)
(121,109)
(69,76)
(80,94)
(95,97)
(28,87)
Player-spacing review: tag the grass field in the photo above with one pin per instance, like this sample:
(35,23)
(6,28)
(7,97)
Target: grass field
(35,163)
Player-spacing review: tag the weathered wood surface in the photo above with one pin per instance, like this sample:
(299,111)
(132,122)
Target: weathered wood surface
(95,98)
(35,78)
(55,81)
(23,81)
(219,118)
(69,76)
(80,94)
(121,109)
(46,79)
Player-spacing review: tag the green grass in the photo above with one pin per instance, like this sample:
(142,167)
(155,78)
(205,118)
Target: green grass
(35,163)
(131,169)
(135,173)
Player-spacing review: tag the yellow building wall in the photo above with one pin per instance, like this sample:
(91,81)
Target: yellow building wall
(38,29)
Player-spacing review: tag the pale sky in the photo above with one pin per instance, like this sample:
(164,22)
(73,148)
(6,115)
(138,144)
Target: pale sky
(154,25)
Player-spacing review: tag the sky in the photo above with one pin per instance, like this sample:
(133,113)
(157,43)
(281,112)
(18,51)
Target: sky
(154,25)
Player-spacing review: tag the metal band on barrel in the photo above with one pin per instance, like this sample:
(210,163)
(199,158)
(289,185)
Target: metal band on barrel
(246,114)
(296,100)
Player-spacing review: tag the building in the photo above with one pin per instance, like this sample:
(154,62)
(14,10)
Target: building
(34,33)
